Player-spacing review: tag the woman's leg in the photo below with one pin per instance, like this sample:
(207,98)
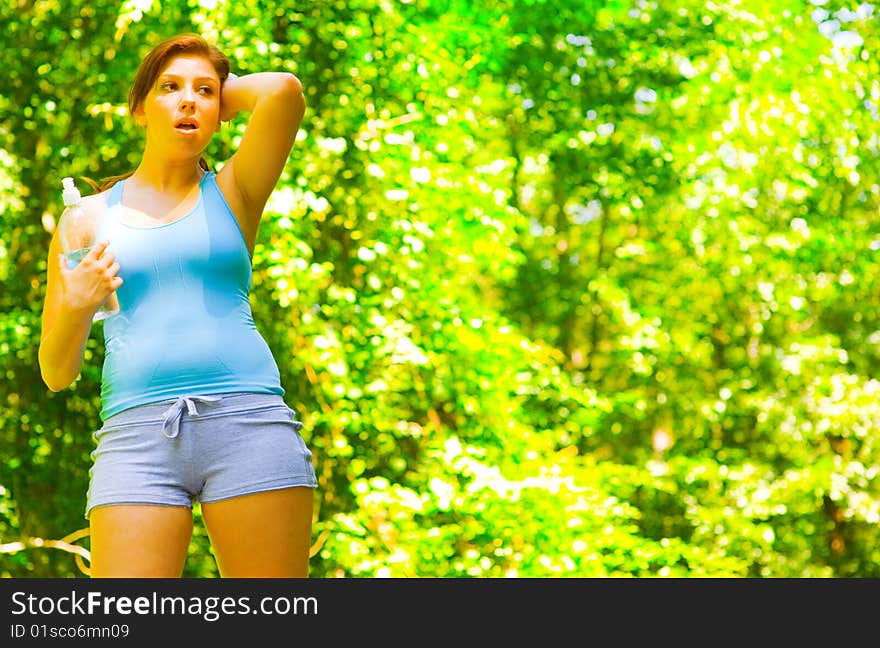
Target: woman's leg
(139,540)
(262,535)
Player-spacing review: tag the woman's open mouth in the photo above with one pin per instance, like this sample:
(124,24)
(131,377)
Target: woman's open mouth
(186,126)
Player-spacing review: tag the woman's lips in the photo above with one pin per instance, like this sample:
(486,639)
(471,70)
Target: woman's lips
(186,125)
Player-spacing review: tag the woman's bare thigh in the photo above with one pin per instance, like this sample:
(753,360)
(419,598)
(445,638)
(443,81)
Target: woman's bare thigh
(139,540)
(262,535)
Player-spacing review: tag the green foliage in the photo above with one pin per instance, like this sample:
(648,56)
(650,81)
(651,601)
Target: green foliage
(558,289)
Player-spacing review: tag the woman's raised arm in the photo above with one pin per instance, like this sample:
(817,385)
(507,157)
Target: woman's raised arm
(276,104)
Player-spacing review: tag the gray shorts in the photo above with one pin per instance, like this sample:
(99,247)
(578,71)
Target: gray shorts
(204,448)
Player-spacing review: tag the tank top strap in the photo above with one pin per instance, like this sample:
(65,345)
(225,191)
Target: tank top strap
(114,195)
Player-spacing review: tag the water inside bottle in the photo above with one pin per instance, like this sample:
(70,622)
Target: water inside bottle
(73,258)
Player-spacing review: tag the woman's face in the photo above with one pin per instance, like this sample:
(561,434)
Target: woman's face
(182,110)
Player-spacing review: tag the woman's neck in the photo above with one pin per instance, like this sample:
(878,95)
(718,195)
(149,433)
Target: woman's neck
(167,176)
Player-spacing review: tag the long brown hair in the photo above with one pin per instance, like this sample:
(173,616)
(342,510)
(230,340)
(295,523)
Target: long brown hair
(149,71)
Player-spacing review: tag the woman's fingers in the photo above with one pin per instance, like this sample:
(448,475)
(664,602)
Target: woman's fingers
(101,257)
(104,266)
(98,249)
(93,278)
(106,261)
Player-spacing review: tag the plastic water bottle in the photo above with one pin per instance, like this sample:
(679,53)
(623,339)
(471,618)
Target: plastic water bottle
(77,230)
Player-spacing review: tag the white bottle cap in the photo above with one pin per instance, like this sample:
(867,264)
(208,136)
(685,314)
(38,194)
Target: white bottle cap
(70,195)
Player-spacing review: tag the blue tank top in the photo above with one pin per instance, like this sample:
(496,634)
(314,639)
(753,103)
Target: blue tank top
(184,324)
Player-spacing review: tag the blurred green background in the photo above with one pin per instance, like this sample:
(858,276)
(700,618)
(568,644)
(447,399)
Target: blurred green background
(558,288)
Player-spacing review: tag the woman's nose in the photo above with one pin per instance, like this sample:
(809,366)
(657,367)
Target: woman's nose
(187,99)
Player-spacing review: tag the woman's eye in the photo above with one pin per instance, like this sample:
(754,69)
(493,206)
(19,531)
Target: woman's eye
(171,86)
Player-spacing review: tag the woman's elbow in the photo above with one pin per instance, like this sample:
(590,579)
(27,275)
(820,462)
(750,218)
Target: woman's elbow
(289,83)
(51,378)
(290,89)
(52,381)
(52,384)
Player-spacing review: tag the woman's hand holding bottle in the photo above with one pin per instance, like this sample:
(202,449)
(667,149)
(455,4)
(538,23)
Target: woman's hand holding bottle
(88,285)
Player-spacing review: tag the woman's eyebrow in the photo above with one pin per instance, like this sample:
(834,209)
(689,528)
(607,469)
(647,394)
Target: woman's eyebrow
(177,76)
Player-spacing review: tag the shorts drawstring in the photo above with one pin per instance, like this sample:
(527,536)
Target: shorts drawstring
(171,416)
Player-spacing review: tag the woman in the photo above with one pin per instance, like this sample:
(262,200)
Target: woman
(191,398)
